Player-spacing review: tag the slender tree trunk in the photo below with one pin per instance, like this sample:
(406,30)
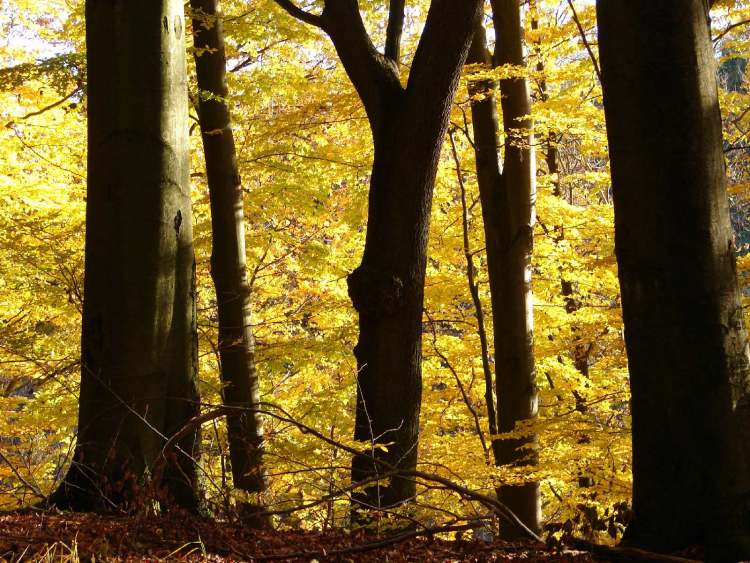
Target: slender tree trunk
(686,344)
(139,355)
(236,344)
(507,199)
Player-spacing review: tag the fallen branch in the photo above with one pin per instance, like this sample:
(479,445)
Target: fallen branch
(364,547)
(626,553)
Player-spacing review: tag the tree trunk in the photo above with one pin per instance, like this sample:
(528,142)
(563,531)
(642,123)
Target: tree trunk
(684,333)
(387,289)
(408,125)
(236,344)
(139,347)
(507,200)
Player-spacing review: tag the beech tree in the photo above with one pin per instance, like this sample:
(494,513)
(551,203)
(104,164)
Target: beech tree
(408,124)
(507,197)
(139,354)
(228,270)
(686,343)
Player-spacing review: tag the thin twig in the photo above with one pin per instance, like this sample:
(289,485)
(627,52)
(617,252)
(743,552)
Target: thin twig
(585,41)
(52,105)
(730,28)
(464,394)
(33,488)
(493,504)
(489,396)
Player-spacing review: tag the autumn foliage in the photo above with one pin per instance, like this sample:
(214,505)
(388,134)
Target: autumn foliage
(305,152)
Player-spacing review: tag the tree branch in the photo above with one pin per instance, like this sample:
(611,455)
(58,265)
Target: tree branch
(489,397)
(374,76)
(52,105)
(729,28)
(371,546)
(449,27)
(437,64)
(461,388)
(585,41)
(632,554)
(34,489)
(497,507)
(295,11)
(394,30)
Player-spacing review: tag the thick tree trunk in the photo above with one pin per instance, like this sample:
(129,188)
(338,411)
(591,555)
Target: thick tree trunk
(507,199)
(387,289)
(387,292)
(139,355)
(685,339)
(236,344)
(408,125)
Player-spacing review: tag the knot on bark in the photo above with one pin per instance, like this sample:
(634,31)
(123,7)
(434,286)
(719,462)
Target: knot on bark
(375,293)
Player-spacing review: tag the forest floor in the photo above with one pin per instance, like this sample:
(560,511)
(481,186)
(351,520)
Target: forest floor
(71,538)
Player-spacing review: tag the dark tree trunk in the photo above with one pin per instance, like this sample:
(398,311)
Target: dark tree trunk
(408,125)
(507,199)
(139,355)
(236,344)
(684,333)
(387,289)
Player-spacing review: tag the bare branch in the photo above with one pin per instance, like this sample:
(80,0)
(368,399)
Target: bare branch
(367,546)
(474,290)
(53,105)
(497,507)
(729,28)
(34,489)
(464,395)
(295,11)
(585,41)
(612,553)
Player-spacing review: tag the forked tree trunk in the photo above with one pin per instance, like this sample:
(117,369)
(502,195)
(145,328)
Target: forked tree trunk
(686,343)
(387,289)
(139,355)
(236,344)
(507,200)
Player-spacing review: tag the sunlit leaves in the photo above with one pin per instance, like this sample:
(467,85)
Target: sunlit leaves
(304,151)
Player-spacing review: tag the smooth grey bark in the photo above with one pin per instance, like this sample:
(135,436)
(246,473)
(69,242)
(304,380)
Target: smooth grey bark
(686,343)
(228,269)
(139,339)
(387,289)
(507,199)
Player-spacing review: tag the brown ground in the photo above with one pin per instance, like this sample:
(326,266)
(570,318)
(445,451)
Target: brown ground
(50,537)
